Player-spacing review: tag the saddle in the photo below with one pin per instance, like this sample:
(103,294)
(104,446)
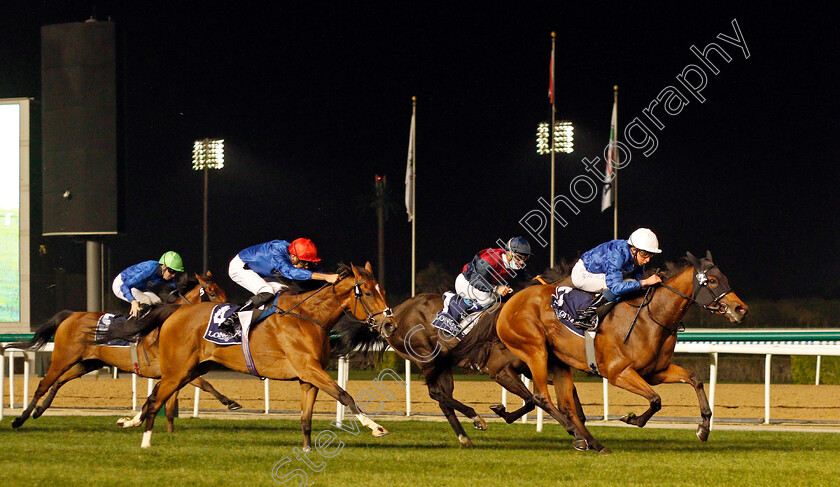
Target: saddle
(568,302)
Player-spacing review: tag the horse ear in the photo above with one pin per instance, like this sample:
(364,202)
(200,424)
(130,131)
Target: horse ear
(692,259)
(209,274)
(709,256)
(355,271)
(368,267)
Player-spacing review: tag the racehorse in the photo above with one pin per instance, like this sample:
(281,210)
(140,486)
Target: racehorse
(431,350)
(74,354)
(289,344)
(633,346)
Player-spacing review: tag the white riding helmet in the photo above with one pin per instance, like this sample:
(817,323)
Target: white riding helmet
(644,239)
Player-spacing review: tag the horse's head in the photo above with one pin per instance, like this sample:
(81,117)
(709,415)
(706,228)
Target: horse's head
(368,298)
(209,290)
(711,289)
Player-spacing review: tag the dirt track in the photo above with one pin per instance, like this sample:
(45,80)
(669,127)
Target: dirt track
(741,401)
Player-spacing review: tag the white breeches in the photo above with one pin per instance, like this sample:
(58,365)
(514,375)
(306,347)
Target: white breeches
(252,281)
(142,297)
(465,290)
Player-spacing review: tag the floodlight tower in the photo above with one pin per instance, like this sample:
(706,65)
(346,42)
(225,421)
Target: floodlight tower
(561,139)
(207,154)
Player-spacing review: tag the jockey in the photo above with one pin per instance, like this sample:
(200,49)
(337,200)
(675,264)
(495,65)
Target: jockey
(602,270)
(133,284)
(259,268)
(486,275)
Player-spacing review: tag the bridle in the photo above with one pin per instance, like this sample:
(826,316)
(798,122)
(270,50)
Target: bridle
(370,316)
(701,283)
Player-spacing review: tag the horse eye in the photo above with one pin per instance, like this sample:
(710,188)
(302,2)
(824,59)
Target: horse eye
(368,293)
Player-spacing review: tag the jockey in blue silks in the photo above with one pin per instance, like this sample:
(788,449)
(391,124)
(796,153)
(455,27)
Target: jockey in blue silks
(259,268)
(133,284)
(614,268)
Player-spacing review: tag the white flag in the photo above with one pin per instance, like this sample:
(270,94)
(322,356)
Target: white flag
(612,160)
(409,172)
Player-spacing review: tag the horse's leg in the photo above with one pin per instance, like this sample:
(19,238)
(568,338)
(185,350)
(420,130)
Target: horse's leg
(308,393)
(206,387)
(76,371)
(165,387)
(57,368)
(440,390)
(171,407)
(675,373)
(631,381)
(309,370)
(569,404)
(509,379)
(578,406)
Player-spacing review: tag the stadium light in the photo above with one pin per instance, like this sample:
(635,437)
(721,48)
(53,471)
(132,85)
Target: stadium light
(564,137)
(207,154)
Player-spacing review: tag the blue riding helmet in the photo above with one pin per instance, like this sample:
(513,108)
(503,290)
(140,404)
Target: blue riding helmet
(519,245)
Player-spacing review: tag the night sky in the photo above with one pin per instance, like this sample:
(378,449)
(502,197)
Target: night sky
(314,98)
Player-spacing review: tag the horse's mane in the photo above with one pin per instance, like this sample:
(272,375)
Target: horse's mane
(354,339)
(346,270)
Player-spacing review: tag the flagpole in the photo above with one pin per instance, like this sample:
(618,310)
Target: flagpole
(615,172)
(414,198)
(551,131)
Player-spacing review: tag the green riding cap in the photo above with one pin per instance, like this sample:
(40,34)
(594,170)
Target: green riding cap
(173,261)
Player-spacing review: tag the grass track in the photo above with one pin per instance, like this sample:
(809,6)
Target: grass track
(75,450)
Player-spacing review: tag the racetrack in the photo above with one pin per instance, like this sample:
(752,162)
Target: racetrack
(734,402)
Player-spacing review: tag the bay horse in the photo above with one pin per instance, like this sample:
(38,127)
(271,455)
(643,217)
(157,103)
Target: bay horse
(434,352)
(633,347)
(74,354)
(288,345)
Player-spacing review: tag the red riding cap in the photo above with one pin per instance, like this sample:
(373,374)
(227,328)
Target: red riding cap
(304,249)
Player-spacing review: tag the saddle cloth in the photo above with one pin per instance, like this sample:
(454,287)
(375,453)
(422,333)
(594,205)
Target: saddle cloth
(567,302)
(217,317)
(453,317)
(107,322)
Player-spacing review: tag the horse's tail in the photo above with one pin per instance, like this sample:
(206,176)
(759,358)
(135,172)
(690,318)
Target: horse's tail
(43,334)
(138,328)
(472,351)
(354,338)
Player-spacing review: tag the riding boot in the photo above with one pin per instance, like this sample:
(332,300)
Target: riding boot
(584,318)
(229,325)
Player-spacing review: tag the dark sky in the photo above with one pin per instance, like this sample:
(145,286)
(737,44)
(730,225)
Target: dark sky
(314,98)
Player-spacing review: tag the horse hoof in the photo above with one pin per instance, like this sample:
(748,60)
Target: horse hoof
(379,432)
(499,409)
(307,449)
(629,418)
(465,441)
(234,406)
(580,445)
(604,451)
(703,434)
(17,423)
(479,423)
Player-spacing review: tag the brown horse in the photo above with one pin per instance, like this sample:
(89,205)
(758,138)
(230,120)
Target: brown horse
(633,347)
(74,354)
(433,352)
(288,345)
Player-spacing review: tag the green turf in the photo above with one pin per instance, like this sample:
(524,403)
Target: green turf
(91,451)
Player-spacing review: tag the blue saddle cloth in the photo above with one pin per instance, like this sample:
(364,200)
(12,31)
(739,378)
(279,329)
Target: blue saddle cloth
(456,311)
(217,317)
(567,302)
(105,323)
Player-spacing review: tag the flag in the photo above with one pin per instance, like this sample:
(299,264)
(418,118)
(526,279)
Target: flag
(551,74)
(612,161)
(409,171)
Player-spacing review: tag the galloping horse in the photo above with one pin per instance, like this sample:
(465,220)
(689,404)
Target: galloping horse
(287,345)
(633,347)
(431,350)
(74,354)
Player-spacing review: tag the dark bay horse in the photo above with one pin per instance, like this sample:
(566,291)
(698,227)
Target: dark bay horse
(74,354)
(633,347)
(435,353)
(290,346)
